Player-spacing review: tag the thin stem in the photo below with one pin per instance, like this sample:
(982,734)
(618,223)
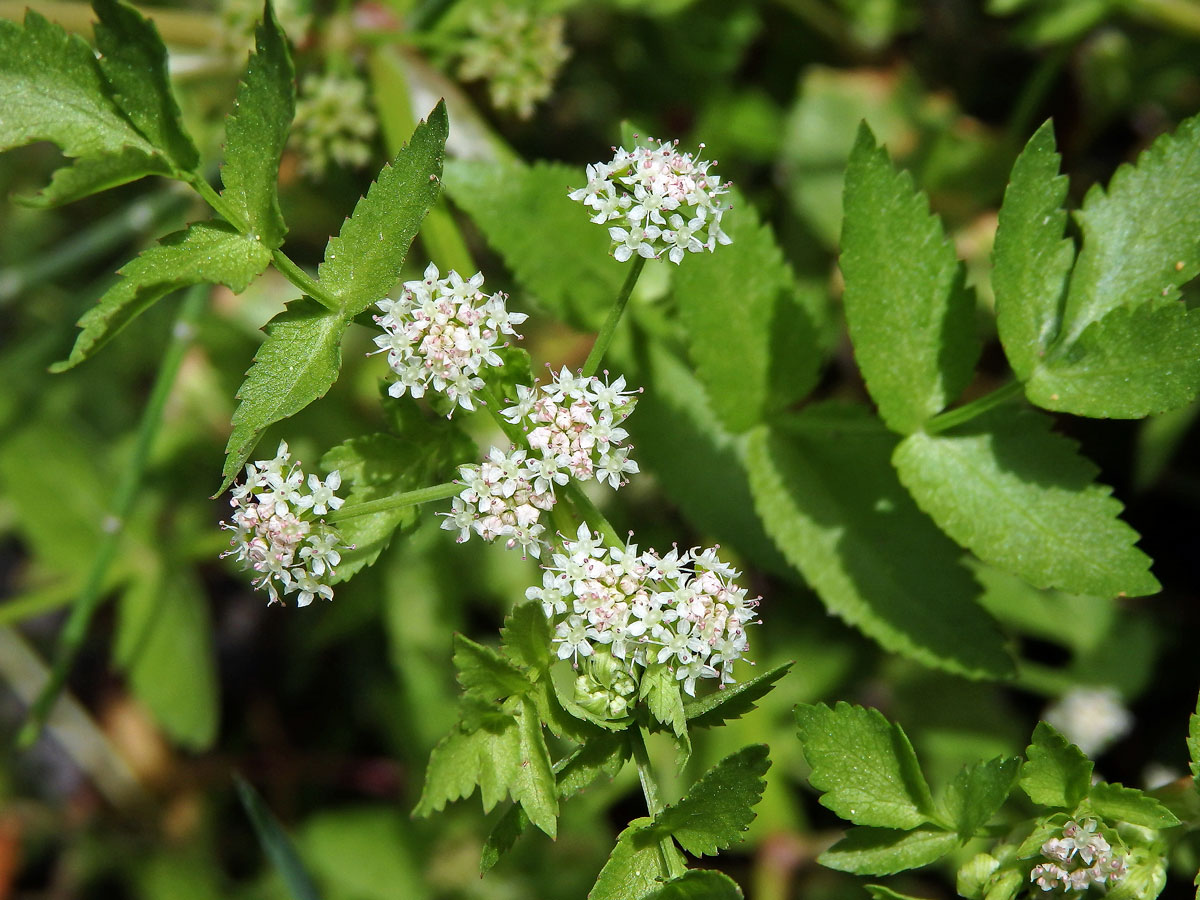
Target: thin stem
(1033,94)
(511,431)
(400,501)
(18,609)
(969,411)
(595,519)
(670,858)
(609,328)
(90,596)
(303,280)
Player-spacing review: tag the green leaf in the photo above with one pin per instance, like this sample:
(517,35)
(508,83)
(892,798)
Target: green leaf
(1022,498)
(828,495)
(1055,773)
(660,690)
(275,843)
(485,673)
(164,643)
(699,884)
(366,852)
(296,364)
(1139,237)
(864,765)
(256,133)
(362,264)
(92,175)
(883,892)
(545,238)
(734,701)
(1125,804)
(51,89)
(502,838)
(1193,744)
(978,792)
(910,318)
(1031,260)
(134,61)
(487,754)
(533,785)
(719,807)
(885,851)
(526,636)
(206,252)
(634,868)
(1133,362)
(753,342)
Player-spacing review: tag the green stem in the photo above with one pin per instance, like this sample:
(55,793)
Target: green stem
(1034,93)
(969,411)
(18,609)
(400,501)
(670,858)
(130,480)
(511,431)
(595,519)
(609,328)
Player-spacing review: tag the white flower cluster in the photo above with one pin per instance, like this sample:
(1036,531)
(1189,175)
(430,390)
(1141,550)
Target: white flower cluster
(1091,718)
(682,609)
(277,532)
(441,332)
(666,202)
(1080,858)
(518,51)
(573,427)
(333,126)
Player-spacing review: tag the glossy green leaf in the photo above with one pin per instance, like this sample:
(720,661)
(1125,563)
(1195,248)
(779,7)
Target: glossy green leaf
(134,61)
(978,792)
(526,637)
(545,238)
(1031,259)
(206,252)
(864,766)
(910,318)
(1139,236)
(753,342)
(1125,804)
(51,89)
(485,673)
(276,844)
(827,493)
(296,364)
(660,690)
(734,701)
(165,645)
(362,264)
(634,867)
(719,807)
(1023,499)
(1055,773)
(533,784)
(885,851)
(256,132)
(1133,362)
(698,884)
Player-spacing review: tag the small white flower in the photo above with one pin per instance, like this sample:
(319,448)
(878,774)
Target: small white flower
(1092,718)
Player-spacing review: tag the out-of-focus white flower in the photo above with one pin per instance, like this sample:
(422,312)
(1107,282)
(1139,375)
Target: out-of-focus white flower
(441,333)
(1090,718)
(334,125)
(519,52)
(664,201)
(276,531)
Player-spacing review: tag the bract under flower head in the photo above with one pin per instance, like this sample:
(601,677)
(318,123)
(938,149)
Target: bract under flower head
(662,200)
(441,332)
(277,532)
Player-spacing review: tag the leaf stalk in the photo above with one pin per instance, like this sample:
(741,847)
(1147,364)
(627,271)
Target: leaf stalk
(609,328)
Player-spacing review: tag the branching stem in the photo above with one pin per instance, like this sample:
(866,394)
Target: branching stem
(609,328)
(399,501)
(671,859)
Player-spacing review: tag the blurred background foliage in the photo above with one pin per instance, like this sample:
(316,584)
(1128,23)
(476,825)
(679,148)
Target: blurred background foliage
(331,711)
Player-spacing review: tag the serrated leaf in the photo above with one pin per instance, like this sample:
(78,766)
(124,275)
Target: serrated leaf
(828,495)
(911,320)
(1125,804)
(699,884)
(864,765)
(1031,260)
(1133,362)
(134,61)
(93,174)
(719,807)
(883,892)
(753,342)
(734,701)
(1139,236)
(885,851)
(256,132)
(51,89)
(525,637)
(485,673)
(978,792)
(486,754)
(164,643)
(545,238)
(660,690)
(502,838)
(206,252)
(1055,773)
(533,785)
(296,364)
(1193,744)
(1021,497)
(634,868)
(362,264)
